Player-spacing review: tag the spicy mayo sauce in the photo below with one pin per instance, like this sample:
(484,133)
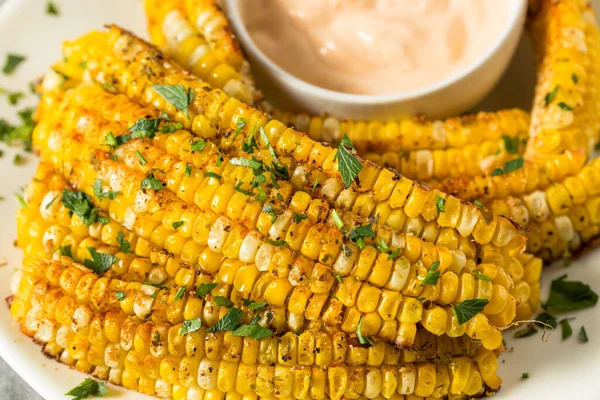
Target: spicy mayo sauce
(374,46)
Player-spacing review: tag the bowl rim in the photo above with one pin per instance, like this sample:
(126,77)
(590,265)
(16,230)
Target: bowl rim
(517,9)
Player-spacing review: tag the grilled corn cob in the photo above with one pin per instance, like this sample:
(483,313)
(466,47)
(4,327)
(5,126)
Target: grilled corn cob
(155,358)
(276,287)
(206,47)
(317,161)
(566,106)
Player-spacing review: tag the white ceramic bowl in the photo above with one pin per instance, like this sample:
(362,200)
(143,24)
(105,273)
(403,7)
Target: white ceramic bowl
(452,96)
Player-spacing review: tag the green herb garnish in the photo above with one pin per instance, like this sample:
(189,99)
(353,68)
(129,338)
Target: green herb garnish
(468,309)
(100,262)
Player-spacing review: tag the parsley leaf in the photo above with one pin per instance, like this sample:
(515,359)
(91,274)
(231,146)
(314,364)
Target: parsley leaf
(361,339)
(583,337)
(12,62)
(150,182)
(337,220)
(254,305)
(170,128)
(198,145)
(191,325)
(348,164)
(109,88)
(223,301)
(177,224)
(100,194)
(180,293)
(570,295)
(205,288)
(100,262)
(565,107)
(509,166)
(241,123)
(188,170)
(80,204)
(546,318)
(550,95)
(142,128)
(229,321)
(299,217)
(88,388)
(468,309)
(432,275)
(525,375)
(575,78)
(440,202)
(120,295)
(481,277)
(511,144)
(124,244)
(252,331)
(66,251)
(565,326)
(244,162)
(358,235)
(52,9)
(238,188)
(141,158)
(213,175)
(176,95)
(277,243)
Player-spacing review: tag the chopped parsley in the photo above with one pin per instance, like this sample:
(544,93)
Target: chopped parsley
(468,309)
(570,295)
(18,159)
(525,375)
(547,319)
(188,170)
(176,95)
(254,305)
(229,322)
(440,202)
(80,204)
(12,62)
(22,132)
(177,224)
(361,339)
(481,277)
(565,326)
(565,107)
(150,182)
(52,9)
(511,144)
(271,211)
(253,331)
(141,158)
(348,165)
(432,275)
(241,123)
(198,145)
(550,95)
(575,78)
(478,203)
(277,243)
(101,194)
(223,301)
(339,278)
(180,293)
(213,175)
(109,88)
(205,289)
(191,325)
(509,166)
(120,295)
(298,217)
(170,128)
(583,337)
(142,128)
(66,251)
(100,262)
(245,162)
(360,233)
(124,244)
(382,246)
(238,188)
(338,220)
(21,200)
(88,388)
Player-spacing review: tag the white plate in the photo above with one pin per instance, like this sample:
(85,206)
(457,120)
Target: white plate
(557,369)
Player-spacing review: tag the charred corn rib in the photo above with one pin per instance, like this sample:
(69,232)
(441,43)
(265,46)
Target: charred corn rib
(359,266)
(155,358)
(208,48)
(379,190)
(565,114)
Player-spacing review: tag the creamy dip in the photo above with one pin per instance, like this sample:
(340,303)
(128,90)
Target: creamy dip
(374,46)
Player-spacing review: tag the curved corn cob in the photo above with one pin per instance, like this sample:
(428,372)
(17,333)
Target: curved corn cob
(155,358)
(379,189)
(566,107)
(425,150)
(206,46)
(277,289)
